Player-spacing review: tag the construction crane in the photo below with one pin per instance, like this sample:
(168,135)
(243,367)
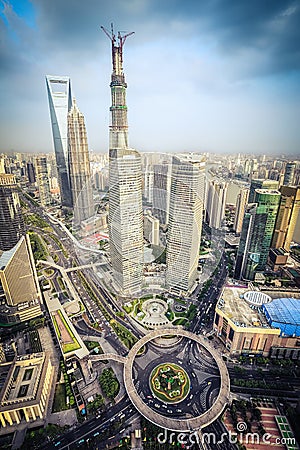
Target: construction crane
(121,38)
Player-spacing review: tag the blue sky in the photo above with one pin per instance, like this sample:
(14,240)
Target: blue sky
(214,75)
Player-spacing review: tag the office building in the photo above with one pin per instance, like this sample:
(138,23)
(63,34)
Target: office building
(20,294)
(79,166)
(215,203)
(30,172)
(11,220)
(257,230)
(43,180)
(151,228)
(241,202)
(287,217)
(289,173)
(161,192)
(60,102)
(260,184)
(25,395)
(125,219)
(185,222)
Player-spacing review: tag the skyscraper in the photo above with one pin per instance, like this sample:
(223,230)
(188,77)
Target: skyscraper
(20,294)
(241,203)
(185,222)
(257,230)
(261,184)
(161,192)
(289,173)
(11,220)
(125,218)
(60,102)
(287,217)
(79,166)
(30,172)
(43,180)
(215,203)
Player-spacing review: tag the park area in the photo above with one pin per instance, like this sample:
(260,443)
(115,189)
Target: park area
(170,383)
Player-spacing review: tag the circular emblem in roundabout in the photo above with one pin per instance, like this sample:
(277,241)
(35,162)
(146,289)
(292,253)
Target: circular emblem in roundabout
(169,383)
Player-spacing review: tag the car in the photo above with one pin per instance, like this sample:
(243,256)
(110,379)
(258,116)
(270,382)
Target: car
(156,405)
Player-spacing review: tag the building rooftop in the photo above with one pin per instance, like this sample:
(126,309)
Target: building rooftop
(236,308)
(23,380)
(5,256)
(284,310)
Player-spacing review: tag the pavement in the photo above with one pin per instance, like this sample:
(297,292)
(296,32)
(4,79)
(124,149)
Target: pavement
(62,418)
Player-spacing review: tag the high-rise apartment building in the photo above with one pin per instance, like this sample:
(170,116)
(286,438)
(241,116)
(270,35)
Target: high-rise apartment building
(287,217)
(257,230)
(289,173)
(261,184)
(79,166)
(20,294)
(215,203)
(60,102)
(43,180)
(125,218)
(241,202)
(185,222)
(11,220)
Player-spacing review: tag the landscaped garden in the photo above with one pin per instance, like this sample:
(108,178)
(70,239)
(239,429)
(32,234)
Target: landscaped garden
(169,382)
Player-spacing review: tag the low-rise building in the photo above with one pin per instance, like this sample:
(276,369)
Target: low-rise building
(25,393)
(243,327)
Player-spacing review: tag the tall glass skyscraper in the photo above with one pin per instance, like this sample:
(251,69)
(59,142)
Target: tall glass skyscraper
(60,102)
(257,230)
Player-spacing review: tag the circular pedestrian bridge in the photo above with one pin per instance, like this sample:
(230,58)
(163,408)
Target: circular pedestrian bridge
(216,374)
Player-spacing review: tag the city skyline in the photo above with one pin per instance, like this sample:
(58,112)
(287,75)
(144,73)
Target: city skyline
(235,88)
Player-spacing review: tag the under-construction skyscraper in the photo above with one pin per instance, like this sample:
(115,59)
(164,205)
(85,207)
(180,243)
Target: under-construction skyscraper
(125,218)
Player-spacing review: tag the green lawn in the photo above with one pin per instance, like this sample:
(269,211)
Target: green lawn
(59,403)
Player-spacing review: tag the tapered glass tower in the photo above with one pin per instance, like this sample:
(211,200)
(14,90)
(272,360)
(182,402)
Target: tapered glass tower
(125,218)
(60,102)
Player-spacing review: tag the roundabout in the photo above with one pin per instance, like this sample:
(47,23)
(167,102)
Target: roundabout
(207,381)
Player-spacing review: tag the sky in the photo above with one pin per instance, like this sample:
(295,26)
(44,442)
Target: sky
(207,76)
